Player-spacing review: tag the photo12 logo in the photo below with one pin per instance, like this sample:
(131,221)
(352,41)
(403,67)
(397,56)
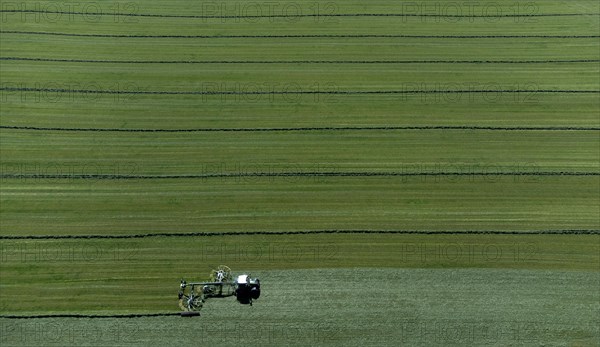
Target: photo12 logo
(471,92)
(477,332)
(466,253)
(469,11)
(17,251)
(267,11)
(272,333)
(68,92)
(518,172)
(24,332)
(267,172)
(261,253)
(32,172)
(55,11)
(272,92)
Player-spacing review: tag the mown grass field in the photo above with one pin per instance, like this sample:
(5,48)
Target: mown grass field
(435,307)
(135,118)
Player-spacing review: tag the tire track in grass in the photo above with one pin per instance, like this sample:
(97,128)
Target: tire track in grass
(296,92)
(290,174)
(300,15)
(292,36)
(76,315)
(101,61)
(293,129)
(310,232)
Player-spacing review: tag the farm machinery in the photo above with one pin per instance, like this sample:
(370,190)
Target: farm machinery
(193,295)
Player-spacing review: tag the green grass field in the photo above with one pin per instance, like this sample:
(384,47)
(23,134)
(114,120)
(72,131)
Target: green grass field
(469,133)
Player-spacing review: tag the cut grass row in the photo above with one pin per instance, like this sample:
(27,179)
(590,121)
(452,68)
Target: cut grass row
(30,46)
(298,78)
(339,26)
(348,6)
(464,152)
(83,207)
(189,112)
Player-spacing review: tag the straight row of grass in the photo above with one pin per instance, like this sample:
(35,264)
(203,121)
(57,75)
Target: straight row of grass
(71,110)
(468,78)
(205,153)
(43,46)
(63,207)
(81,24)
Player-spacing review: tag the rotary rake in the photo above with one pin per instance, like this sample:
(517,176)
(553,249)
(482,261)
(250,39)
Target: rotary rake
(193,295)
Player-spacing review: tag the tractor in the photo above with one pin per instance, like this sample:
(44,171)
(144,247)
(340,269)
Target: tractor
(193,295)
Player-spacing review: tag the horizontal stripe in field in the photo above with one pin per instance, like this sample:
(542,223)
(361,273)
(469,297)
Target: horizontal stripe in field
(79,315)
(100,61)
(292,174)
(329,128)
(140,36)
(310,232)
(296,92)
(190,16)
